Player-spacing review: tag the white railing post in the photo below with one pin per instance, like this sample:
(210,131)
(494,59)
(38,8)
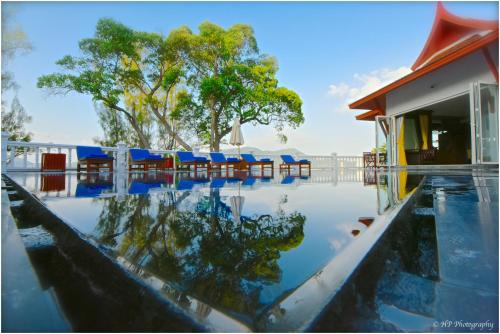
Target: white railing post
(25,157)
(12,156)
(5,138)
(70,151)
(121,175)
(196,150)
(335,163)
(37,157)
(121,157)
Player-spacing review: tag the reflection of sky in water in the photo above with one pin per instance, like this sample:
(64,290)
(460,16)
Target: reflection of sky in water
(331,213)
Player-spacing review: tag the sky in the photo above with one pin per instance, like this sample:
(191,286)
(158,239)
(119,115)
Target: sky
(330,53)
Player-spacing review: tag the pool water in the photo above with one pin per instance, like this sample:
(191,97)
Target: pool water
(237,243)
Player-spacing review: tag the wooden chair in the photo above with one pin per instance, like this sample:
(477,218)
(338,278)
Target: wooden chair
(143,160)
(289,161)
(187,159)
(219,160)
(92,158)
(250,161)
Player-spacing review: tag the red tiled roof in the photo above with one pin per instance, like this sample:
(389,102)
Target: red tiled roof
(451,38)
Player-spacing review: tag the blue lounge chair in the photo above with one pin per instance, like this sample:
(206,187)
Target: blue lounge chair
(185,185)
(217,183)
(288,180)
(142,188)
(188,159)
(144,160)
(92,158)
(219,160)
(249,181)
(289,161)
(250,160)
(91,189)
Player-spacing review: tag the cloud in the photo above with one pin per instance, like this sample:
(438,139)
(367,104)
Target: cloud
(339,90)
(364,84)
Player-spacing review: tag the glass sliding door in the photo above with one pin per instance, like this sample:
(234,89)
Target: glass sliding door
(489,122)
(484,122)
(384,140)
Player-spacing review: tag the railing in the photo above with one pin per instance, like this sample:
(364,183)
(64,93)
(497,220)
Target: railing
(26,156)
(63,185)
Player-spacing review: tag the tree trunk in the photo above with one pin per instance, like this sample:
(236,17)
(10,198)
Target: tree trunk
(216,144)
(144,142)
(170,131)
(213,127)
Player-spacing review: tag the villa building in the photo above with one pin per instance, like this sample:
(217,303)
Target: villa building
(446,110)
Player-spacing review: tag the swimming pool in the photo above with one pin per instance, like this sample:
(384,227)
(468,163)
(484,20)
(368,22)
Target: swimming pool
(226,248)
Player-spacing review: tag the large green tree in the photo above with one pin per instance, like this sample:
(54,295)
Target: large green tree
(130,72)
(229,78)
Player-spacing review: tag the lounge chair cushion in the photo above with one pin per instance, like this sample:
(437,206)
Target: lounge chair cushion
(288,159)
(97,156)
(137,154)
(155,157)
(186,156)
(304,160)
(85,152)
(218,157)
(233,160)
(250,158)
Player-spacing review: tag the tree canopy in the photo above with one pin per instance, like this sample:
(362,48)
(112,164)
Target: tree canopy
(129,72)
(230,78)
(186,84)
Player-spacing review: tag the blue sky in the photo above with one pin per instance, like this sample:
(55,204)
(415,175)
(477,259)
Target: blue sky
(328,52)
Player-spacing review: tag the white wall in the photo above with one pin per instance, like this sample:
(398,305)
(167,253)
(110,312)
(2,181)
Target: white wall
(451,80)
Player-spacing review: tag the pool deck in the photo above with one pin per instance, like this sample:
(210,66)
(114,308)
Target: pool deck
(466,216)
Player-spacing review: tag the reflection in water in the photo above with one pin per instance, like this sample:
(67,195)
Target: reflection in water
(53,182)
(238,243)
(202,246)
(93,185)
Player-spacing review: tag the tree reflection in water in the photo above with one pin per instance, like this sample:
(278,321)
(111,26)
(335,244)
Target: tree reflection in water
(199,247)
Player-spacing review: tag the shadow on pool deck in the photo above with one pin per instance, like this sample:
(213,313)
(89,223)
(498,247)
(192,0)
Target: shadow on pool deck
(436,271)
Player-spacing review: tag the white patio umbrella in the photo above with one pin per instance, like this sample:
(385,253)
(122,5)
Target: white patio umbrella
(236,135)
(236,207)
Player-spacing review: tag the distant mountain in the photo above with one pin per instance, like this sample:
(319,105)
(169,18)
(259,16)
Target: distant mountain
(255,150)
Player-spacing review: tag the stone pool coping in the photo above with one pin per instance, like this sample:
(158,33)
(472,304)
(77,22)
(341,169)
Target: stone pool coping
(303,306)
(21,290)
